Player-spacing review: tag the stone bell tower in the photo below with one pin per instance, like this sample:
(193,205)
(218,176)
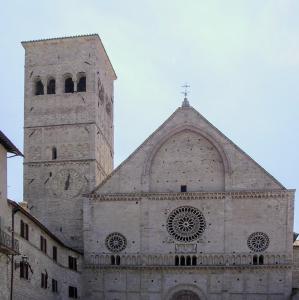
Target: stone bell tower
(68,129)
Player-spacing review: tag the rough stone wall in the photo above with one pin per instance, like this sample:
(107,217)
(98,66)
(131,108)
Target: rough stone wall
(79,125)
(240,171)
(187,159)
(216,284)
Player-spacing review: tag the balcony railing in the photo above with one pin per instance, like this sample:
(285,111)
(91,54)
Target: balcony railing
(6,244)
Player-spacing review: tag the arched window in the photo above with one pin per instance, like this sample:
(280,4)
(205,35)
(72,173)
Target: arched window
(112,259)
(182,263)
(176,261)
(261,260)
(188,261)
(255,259)
(81,85)
(117,260)
(54,153)
(39,87)
(194,260)
(51,86)
(68,85)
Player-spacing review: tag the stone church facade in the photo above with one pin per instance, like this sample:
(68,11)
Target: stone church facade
(187,216)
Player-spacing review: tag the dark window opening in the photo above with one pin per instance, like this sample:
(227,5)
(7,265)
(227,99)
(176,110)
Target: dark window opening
(183,188)
(182,262)
(24,230)
(176,261)
(43,244)
(54,253)
(24,270)
(117,260)
(73,292)
(261,260)
(73,263)
(54,286)
(188,261)
(44,280)
(51,87)
(112,260)
(81,86)
(255,259)
(69,85)
(194,260)
(39,88)
(54,153)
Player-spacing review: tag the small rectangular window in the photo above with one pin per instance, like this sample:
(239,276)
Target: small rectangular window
(54,286)
(43,244)
(24,230)
(54,253)
(183,188)
(44,280)
(73,292)
(73,263)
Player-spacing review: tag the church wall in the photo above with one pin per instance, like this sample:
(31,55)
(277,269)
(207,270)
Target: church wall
(230,219)
(160,284)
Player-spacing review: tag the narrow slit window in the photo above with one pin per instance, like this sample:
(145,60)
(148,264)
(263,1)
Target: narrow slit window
(54,153)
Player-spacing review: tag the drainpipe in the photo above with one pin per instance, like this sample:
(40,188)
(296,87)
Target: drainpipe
(13,212)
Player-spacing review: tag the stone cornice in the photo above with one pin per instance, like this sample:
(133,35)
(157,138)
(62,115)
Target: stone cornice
(194,195)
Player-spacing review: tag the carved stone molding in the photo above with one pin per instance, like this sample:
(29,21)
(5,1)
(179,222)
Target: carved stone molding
(194,195)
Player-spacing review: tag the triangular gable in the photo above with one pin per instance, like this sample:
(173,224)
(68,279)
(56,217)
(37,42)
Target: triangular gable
(241,171)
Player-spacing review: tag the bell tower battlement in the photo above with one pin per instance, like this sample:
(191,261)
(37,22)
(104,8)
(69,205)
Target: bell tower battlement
(68,128)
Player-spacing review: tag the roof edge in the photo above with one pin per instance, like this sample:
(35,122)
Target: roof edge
(40,225)
(60,38)
(8,145)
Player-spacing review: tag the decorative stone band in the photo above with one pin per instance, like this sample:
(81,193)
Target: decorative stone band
(242,260)
(194,195)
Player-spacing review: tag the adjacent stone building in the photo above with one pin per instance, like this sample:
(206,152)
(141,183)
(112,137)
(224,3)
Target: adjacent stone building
(188,215)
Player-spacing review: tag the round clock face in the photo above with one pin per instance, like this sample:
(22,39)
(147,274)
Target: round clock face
(67,183)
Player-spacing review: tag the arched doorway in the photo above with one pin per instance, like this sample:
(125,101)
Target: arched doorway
(185,295)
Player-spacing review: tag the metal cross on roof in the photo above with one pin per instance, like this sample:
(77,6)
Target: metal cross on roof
(185,93)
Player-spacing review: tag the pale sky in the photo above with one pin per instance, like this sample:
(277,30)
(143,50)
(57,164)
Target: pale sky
(241,59)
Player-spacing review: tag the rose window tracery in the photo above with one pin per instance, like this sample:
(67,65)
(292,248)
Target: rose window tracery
(116,242)
(186,224)
(258,241)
